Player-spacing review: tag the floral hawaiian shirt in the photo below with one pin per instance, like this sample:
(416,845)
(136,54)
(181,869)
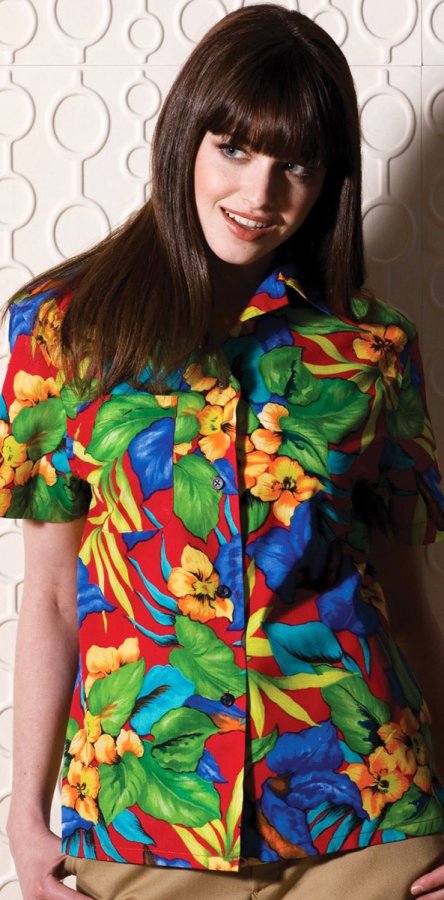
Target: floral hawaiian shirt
(239,693)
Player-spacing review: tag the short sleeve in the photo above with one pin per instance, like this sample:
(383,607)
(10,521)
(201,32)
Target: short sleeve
(410,479)
(36,481)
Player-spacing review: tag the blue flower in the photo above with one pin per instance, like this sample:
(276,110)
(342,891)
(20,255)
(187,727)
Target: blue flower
(175,863)
(305,764)
(208,769)
(272,332)
(71,821)
(228,564)
(23,314)
(342,607)
(90,597)
(151,457)
(294,556)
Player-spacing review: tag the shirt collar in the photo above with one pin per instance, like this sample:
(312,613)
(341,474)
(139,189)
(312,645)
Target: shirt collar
(273,293)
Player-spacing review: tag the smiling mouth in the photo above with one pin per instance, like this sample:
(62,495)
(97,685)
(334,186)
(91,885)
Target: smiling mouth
(249,224)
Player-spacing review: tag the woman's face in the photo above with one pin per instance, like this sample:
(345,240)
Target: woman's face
(249,203)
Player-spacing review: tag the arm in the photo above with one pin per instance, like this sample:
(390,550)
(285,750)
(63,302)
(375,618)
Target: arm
(45,671)
(421,638)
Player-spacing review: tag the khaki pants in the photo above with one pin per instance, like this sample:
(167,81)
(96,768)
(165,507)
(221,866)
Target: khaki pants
(375,873)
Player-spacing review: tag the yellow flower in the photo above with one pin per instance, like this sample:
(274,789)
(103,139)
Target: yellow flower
(14,454)
(269,437)
(15,467)
(196,584)
(380,782)
(81,791)
(105,749)
(217,864)
(129,742)
(44,468)
(46,331)
(194,376)
(5,501)
(217,428)
(101,661)
(30,390)
(286,485)
(406,744)
(381,345)
(256,463)
(220,396)
(82,745)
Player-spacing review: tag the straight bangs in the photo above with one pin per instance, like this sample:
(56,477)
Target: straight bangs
(284,110)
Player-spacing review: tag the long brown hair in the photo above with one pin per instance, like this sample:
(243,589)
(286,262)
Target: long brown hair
(267,77)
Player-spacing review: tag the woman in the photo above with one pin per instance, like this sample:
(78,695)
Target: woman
(209,410)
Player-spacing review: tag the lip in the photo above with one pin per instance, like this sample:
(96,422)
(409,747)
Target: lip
(241,231)
(245,215)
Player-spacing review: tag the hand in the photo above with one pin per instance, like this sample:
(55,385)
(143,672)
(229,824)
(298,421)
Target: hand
(39,864)
(430,886)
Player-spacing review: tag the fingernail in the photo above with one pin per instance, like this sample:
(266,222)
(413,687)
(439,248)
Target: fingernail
(416,888)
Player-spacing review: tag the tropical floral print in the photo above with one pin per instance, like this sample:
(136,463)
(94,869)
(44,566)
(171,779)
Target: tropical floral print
(239,694)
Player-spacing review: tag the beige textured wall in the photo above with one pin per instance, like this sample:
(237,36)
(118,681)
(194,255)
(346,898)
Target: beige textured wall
(81,82)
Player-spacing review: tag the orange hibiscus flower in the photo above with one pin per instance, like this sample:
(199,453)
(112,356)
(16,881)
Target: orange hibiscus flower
(286,485)
(407,746)
(30,390)
(269,437)
(81,791)
(196,585)
(381,345)
(218,429)
(101,661)
(46,331)
(14,464)
(379,783)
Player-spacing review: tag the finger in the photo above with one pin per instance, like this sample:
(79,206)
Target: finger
(431,882)
(435,895)
(55,890)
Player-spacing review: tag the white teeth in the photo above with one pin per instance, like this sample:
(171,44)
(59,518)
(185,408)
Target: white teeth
(247,223)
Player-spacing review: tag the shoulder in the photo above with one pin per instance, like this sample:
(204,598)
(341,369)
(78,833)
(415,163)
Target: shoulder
(370,310)
(36,317)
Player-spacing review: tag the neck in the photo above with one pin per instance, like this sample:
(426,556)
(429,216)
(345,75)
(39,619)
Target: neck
(233,284)
(232,288)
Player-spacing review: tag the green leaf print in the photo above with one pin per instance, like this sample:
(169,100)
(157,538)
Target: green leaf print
(253,512)
(119,420)
(196,502)
(187,423)
(414,813)
(112,698)
(179,739)
(71,396)
(408,419)
(310,322)
(340,409)
(259,747)
(41,427)
(206,661)
(309,448)
(386,315)
(65,500)
(356,712)
(247,419)
(284,373)
(180,798)
(121,785)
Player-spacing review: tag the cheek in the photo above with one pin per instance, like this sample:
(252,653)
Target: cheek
(303,205)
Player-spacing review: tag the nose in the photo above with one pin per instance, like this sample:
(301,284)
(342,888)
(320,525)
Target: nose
(259,185)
